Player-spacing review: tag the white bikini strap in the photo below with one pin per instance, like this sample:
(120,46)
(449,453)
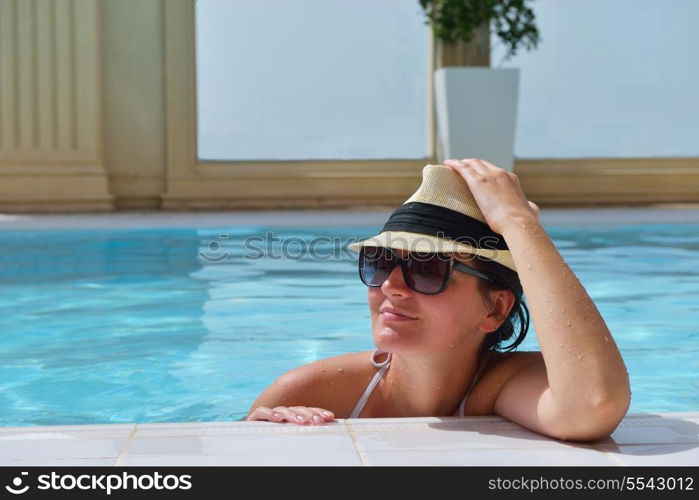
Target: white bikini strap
(462,406)
(383,366)
(383,363)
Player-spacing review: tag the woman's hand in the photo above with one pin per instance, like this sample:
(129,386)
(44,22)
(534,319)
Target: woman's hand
(496,191)
(300,415)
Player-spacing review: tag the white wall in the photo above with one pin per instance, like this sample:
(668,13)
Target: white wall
(311,79)
(319,79)
(611,78)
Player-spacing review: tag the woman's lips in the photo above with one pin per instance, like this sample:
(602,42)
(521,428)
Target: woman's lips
(394,315)
(387,316)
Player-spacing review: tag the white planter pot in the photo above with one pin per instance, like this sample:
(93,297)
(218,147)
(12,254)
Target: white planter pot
(476,113)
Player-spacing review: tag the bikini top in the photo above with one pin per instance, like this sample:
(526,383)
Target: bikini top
(383,367)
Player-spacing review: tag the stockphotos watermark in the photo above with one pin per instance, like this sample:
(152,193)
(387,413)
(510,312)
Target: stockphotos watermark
(324,248)
(100,482)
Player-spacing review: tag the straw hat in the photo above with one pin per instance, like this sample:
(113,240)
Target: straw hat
(441,216)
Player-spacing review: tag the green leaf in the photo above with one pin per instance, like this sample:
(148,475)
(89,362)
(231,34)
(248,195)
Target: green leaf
(457,20)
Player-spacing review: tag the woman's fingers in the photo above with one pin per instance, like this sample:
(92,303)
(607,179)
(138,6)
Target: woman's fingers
(464,165)
(472,168)
(300,415)
(490,165)
(303,415)
(326,415)
(312,416)
(515,181)
(264,413)
(497,192)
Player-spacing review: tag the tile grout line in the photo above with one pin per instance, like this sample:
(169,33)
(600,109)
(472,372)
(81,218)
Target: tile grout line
(125,447)
(357,445)
(610,456)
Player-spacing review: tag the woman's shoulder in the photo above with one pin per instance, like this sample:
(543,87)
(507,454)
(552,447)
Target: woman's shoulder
(511,359)
(498,367)
(502,365)
(334,368)
(332,383)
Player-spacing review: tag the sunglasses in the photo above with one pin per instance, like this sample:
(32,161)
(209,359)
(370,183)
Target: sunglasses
(427,273)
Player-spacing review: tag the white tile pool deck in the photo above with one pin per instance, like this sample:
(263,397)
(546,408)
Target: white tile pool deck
(657,439)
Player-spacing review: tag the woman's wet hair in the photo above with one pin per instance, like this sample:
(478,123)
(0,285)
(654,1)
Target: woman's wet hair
(514,329)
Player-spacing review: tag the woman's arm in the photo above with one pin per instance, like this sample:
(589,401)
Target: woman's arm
(585,385)
(580,388)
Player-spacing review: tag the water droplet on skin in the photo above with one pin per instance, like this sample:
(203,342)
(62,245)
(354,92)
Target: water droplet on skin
(606,339)
(340,370)
(581,356)
(567,323)
(529,266)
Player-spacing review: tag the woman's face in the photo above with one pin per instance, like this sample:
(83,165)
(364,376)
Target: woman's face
(405,321)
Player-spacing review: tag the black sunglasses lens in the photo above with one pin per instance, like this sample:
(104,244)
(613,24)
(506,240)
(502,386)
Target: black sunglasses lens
(375,265)
(428,273)
(424,272)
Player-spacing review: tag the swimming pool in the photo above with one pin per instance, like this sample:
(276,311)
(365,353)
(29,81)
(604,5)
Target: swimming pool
(180,324)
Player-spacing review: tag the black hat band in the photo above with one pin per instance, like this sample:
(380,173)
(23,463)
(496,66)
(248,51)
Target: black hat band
(433,220)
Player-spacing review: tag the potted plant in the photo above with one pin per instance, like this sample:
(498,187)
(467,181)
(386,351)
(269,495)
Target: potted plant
(476,106)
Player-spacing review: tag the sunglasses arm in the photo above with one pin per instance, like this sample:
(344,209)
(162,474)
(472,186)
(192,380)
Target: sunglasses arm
(469,270)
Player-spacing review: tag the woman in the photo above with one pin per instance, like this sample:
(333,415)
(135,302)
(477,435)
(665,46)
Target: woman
(445,278)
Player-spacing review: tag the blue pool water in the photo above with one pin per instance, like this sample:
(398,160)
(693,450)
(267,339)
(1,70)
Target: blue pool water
(175,325)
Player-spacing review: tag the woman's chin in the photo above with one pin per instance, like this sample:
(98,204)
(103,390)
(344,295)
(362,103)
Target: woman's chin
(392,339)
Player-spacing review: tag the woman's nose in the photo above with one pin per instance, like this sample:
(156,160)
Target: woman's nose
(395,283)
